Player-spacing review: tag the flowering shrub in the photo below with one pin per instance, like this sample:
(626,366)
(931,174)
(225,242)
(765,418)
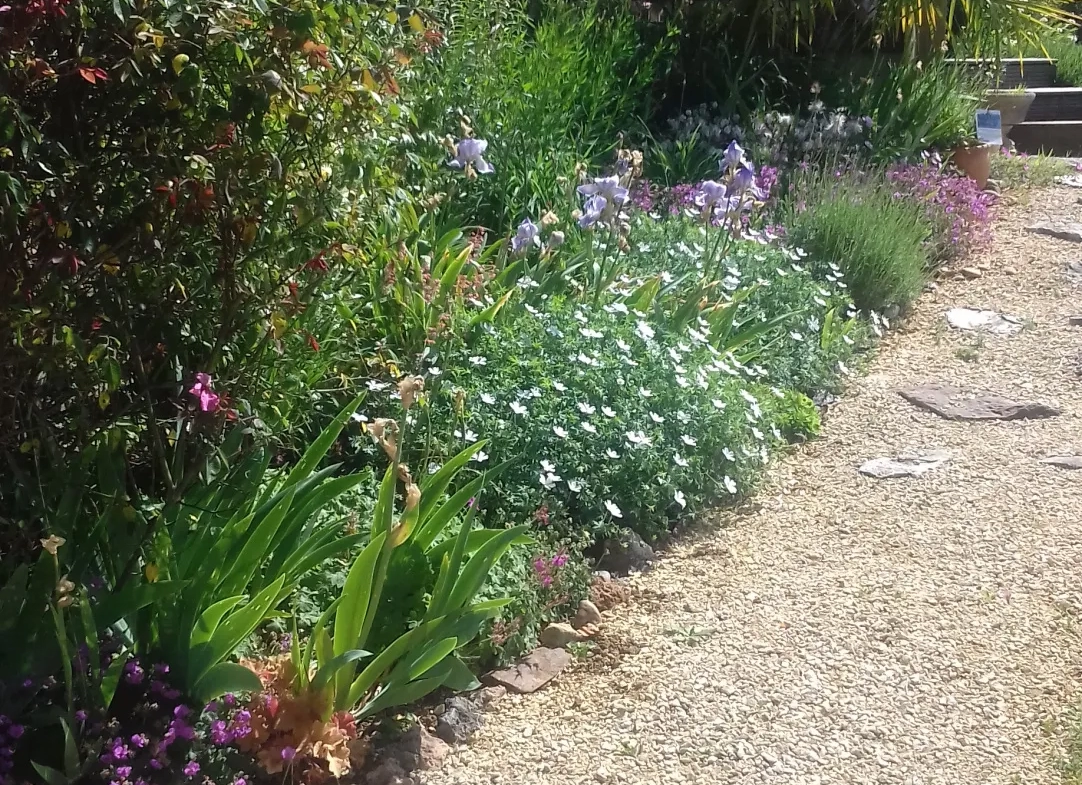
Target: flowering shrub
(959,211)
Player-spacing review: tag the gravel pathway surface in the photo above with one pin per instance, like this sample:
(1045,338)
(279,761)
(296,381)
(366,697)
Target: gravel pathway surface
(854,630)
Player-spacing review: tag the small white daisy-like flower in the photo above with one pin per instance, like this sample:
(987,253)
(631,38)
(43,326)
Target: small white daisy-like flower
(605,410)
(611,453)
(656,417)
(819,301)
(645,331)
(676,356)
(480,456)
(777,434)
(718,404)
(589,427)
(678,497)
(616,307)
(574,485)
(488,399)
(777,393)
(796,336)
(586,359)
(375,386)
(730,484)
(683,417)
(638,438)
(582,317)
(679,460)
(556,429)
(688,440)
(586,408)
(559,386)
(531,310)
(623,345)
(614,511)
(434,371)
(478,360)
(729,454)
(358,417)
(843,368)
(549,480)
(548,467)
(680,380)
(757,433)
(519,408)
(587,332)
(747,396)
(631,363)
(644,392)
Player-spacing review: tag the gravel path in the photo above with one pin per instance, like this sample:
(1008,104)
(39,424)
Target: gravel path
(856,630)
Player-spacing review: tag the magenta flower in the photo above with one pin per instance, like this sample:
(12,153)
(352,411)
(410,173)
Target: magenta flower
(208,399)
(289,753)
(191,769)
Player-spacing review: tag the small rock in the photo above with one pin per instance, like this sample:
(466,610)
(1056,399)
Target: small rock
(1071,180)
(417,749)
(1008,270)
(970,273)
(1064,461)
(606,593)
(389,773)
(1069,231)
(490,695)
(931,286)
(537,669)
(604,575)
(626,554)
(461,718)
(587,613)
(904,465)
(952,404)
(558,635)
(983,321)
(1074,271)
(1074,321)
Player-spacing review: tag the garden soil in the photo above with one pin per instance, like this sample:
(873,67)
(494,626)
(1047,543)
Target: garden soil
(916,630)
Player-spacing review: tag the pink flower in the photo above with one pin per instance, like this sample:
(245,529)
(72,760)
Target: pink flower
(208,399)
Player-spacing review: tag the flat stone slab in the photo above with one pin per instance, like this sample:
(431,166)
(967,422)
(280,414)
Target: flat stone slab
(954,404)
(904,465)
(1074,272)
(1064,461)
(533,672)
(1070,231)
(983,321)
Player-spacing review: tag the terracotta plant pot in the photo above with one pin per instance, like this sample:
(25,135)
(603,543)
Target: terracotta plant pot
(1012,105)
(974,162)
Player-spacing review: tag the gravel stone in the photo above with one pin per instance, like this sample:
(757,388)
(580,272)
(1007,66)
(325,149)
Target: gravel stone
(983,321)
(1069,231)
(952,403)
(904,465)
(939,618)
(1064,461)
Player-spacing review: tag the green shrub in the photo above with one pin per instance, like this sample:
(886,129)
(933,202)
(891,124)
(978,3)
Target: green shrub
(857,224)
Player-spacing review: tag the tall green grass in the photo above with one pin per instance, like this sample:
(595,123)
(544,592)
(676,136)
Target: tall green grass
(878,240)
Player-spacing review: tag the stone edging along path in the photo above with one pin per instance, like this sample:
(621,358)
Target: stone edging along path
(914,630)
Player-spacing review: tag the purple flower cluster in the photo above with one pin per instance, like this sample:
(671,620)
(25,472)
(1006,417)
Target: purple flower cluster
(10,733)
(960,211)
(545,570)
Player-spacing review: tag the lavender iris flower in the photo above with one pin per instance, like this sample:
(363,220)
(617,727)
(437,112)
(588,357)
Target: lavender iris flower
(743,178)
(608,187)
(734,156)
(528,233)
(592,210)
(469,152)
(711,194)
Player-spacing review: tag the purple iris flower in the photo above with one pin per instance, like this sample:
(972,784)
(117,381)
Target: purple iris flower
(593,209)
(743,179)
(469,152)
(528,233)
(734,156)
(711,194)
(608,187)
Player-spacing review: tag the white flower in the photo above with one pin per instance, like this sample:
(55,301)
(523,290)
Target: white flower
(843,368)
(657,418)
(679,460)
(757,433)
(611,453)
(586,332)
(605,410)
(777,393)
(518,408)
(586,408)
(688,440)
(718,404)
(616,307)
(559,386)
(628,361)
(645,331)
(730,486)
(622,345)
(358,417)
(375,386)
(548,467)
(729,454)
(777,434)
(796,336)
(819,301)
(478,360)
(581,317)
(638,438)
(644,392)
(574,485)
(556,429)
(434,371)
(683,417)
(678,497)
(533,311)
(488,399)
(589,427)
(747,396)
(848,340)
(680,380)
(549,480)
(676,356)
(480,456)
(586,359)
(534,392)
(614,511)
(433,467)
